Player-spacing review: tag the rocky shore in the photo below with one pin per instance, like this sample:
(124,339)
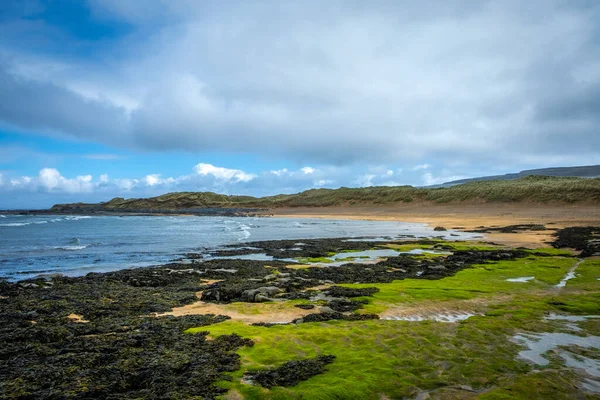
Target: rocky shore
(109,336)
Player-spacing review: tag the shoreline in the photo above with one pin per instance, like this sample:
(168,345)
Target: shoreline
(222,318)
(466,218)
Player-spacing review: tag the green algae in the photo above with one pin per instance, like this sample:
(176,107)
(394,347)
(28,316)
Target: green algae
(398,359)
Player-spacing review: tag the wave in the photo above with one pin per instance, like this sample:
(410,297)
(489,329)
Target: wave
(244,230)
(2,216)
(72,247)
(16,224)
(77,217)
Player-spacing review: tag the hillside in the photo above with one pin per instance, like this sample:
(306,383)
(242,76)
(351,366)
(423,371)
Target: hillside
(589,171)
(535,189)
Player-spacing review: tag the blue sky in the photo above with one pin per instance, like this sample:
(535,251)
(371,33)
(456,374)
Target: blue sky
(105,98)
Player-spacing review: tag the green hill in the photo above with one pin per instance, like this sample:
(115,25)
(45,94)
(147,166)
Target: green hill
(535,189)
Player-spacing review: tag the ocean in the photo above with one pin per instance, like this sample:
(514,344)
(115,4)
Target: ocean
(75,245)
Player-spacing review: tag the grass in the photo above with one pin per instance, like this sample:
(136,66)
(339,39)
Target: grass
(480,281)
(314,260)
(401,359)
(531,189)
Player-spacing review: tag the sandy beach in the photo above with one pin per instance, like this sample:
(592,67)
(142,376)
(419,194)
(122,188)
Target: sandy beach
(466,217)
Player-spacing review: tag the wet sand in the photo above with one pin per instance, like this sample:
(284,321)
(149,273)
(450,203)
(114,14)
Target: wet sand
(466,217)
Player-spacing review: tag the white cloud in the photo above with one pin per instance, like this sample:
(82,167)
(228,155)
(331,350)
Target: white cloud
(279,172)
(223,174)
(421,166)
(49,178)
(334,87)
(152,179)
(429,179)
(323,182)
(365,180)
(307,170)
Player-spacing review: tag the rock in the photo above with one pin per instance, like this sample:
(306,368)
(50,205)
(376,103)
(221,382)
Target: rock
(252,295)
(437,267)
(260,298)
(592,248)
(344,305)
(292,372)
(328,316)
(48,277)
(305,306)
(271,277)
(340,291)
(439,229)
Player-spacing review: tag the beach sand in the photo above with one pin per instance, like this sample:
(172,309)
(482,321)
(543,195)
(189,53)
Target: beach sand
(466,217)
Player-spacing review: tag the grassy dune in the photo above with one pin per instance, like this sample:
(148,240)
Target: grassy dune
(530,189)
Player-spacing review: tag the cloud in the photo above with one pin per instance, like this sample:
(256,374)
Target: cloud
(50,184)
(49,179)
(421,166)
(430,180)
(334,85)
(223,174)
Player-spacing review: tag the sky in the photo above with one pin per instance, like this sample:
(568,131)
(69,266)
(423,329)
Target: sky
(134,98)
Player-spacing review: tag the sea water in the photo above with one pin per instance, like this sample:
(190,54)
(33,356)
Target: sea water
(75,245)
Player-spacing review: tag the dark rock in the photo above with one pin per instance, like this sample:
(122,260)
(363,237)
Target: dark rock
(510,228)
(322,317)
(340,291)
(583,238)
(440,229)
(343,305)
(305,306)
(292,372)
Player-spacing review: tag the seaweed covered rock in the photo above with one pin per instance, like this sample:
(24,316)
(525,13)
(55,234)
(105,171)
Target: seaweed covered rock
(344,305)
(292,372)
(583,238)
(329,316)
(305,306)
(510,228)
(340,291)
(306,248)
(148,358)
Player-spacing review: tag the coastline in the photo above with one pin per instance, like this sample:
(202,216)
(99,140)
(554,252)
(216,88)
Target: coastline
(205,326)
(466,217)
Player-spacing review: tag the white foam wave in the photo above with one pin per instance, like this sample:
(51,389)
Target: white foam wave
(16,224)
(2,216)
(77,217)
(72,248)
(244,231)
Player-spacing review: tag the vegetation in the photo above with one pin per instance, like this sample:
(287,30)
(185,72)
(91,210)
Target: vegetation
(99,336)
(528,189)
(402,359)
